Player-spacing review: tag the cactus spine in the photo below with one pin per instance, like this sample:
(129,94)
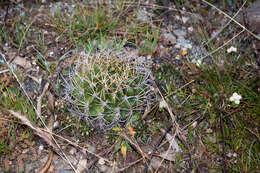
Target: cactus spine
(106,89)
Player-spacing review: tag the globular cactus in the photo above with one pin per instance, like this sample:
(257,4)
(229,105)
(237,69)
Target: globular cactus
(107,88)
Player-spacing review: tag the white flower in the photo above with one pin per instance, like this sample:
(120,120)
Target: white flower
(41,147)
(51,53)
(231,49)
(190,29)
(235,98)
(198,62)
(163,104)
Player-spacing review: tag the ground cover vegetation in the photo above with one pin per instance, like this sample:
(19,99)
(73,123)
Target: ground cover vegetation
(104,71)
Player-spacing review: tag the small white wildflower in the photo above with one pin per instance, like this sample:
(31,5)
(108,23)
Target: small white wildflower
(235,98)
(163,104)
(41,147)
(51,53)
(190,29)
(178,57)
(198,62)
(231,49)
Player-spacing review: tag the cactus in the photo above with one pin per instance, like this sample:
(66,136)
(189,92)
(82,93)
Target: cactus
(107,88)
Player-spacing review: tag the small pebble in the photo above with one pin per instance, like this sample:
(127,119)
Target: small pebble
(92,149)
(101,161)
(55,124)
(73,151)
(180,33)
(41,147)
(103,168)
(170,37)
(229,155)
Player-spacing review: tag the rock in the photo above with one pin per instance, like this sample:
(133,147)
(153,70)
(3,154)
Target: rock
(143,16)
(101,161)
(212,138)
(26,64)
(31,167)
(169,37)
(183,44)
(229,154)
(180,33)
(156,162)
(103,168)
(92,149)
(183,18)
(73,151)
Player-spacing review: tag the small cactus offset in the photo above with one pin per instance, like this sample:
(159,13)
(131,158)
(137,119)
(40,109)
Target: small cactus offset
(107,88)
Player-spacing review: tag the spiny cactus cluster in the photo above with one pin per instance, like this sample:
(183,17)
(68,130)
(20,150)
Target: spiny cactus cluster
(107,88)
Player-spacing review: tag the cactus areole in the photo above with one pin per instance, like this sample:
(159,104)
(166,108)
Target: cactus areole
(108,88)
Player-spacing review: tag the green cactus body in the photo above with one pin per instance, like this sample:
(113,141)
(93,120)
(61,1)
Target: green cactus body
(108,88)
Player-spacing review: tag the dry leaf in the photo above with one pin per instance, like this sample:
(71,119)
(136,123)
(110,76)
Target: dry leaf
(192,67)
(184,52)
(51,101)
(44,135)
(20,162)
(174,145)
(132,132)
(123,151)
(168,155)
(6,163)
(22,62)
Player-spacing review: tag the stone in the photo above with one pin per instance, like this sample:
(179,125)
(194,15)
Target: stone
(103,168)
(92,149)
(156,162)
(180,33)
(73,151)
(169,37)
